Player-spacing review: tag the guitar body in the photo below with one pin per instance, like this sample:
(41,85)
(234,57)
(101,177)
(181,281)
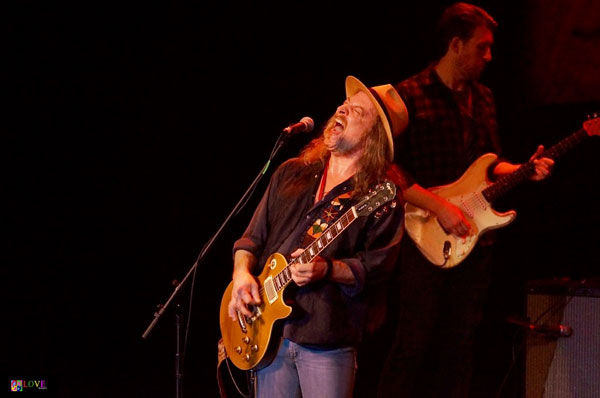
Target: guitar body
(247,340)
(473,193)
(447,250)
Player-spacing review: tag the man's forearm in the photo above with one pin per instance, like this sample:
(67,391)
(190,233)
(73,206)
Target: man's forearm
(244,261)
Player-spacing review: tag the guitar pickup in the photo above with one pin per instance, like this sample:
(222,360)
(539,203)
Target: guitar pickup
(270,290)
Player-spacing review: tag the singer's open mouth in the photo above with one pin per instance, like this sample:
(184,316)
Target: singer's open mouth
(338,127)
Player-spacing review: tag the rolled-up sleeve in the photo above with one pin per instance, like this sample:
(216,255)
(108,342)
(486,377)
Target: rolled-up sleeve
(255,235)
(375,262)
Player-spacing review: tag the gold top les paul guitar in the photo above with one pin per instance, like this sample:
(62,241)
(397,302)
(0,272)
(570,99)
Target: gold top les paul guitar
(246,339)
(473,193)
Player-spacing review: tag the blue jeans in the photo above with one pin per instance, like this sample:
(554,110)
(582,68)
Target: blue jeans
(298,371)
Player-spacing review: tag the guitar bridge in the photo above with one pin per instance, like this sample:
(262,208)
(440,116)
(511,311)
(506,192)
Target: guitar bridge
(242,322)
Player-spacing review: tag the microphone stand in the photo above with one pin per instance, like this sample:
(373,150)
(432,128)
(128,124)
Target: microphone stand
(178,285)
(178,353)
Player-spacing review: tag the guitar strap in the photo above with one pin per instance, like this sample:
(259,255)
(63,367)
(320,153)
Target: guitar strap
(328,214)
(335,208)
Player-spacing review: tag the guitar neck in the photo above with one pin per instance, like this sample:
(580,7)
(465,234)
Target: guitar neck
(526,170)
(284,277)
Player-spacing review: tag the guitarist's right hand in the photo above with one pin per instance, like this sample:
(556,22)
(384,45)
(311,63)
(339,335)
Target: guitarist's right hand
(449,216)
(244,293)
(452,219)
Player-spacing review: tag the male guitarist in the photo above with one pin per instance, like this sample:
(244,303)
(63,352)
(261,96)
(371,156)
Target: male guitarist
(316,345)
(453,123)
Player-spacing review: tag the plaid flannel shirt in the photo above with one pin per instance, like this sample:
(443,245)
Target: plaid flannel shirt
(443,139)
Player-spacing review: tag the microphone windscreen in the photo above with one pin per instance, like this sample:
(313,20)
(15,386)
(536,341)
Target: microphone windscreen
(310,124)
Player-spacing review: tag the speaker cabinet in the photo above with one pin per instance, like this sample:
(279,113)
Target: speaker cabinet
(563,366)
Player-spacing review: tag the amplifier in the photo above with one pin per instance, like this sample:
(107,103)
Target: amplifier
(563,353)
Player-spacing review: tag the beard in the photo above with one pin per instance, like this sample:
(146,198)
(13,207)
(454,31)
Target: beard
(342,145)
(470,70)
(473,72)
(338,141)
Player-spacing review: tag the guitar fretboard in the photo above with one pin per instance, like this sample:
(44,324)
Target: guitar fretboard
(317,246)
(509,181)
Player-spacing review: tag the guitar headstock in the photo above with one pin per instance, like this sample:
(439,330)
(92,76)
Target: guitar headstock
(592,125)
(377,197)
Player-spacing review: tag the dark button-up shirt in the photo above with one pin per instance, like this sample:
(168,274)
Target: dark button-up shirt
(325,313)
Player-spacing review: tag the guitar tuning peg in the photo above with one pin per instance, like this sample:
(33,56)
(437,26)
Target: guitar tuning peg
(381,212)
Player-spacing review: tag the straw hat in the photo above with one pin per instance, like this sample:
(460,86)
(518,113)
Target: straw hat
(388,103)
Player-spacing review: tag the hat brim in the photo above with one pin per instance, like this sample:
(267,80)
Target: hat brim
(353,86)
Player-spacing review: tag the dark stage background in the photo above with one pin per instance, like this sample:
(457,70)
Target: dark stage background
(133,129)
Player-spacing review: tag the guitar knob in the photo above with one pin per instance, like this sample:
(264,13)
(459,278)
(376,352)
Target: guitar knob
(254,348)
(238,349)
(246,340)
(247,357)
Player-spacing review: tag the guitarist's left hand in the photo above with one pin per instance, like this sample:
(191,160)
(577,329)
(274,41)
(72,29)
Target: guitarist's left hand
(303,274)
(543,166)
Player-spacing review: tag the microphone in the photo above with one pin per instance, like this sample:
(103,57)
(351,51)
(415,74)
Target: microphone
(547,330)
(551,331)
(305,125)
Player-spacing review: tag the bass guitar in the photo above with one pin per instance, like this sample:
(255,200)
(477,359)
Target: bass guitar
(246,339)
(473,193)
